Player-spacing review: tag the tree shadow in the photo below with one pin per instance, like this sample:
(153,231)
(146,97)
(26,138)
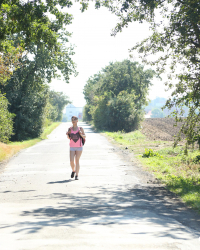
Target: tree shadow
(107,207)
(21,191)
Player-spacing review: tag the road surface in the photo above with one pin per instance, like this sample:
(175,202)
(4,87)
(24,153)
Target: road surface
(109,207)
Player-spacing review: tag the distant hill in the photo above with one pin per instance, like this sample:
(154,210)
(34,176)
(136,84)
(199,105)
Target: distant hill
(157,104)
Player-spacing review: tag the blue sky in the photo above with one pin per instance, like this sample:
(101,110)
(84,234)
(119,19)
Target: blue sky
(95,48)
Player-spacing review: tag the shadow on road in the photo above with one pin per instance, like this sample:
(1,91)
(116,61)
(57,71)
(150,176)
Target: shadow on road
(59,182)
(109,207)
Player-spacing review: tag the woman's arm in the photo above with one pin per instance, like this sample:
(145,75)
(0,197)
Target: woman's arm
(68,133)
(82,133)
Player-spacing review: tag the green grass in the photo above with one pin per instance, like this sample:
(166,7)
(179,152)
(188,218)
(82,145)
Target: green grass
(180,173)
(10,149)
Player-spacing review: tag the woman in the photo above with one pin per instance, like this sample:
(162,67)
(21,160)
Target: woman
(76,147)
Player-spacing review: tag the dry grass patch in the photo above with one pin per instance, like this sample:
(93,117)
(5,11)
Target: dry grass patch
(7,151)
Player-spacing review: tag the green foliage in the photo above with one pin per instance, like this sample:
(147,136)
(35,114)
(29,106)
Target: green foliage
(28,103)
(6,120)
(36,25)
(58,101)
(115,96)
(157,113)
(196,160)
(86,113)
(9,60)
(150,153)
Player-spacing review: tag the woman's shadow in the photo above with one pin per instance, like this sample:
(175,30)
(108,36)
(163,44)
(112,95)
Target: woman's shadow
(60,182)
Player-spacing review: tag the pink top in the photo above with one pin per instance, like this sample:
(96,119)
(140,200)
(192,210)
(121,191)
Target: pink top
(75,139)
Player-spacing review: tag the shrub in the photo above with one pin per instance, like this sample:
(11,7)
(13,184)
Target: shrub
(150,153)
(196,160)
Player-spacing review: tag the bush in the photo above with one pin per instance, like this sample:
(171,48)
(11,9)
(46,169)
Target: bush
(196,160)
(118,113)
(150,153)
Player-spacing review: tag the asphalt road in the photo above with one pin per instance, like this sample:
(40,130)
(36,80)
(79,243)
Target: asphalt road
(109,207)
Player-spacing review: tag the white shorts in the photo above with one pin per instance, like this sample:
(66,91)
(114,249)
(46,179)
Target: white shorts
(76,148)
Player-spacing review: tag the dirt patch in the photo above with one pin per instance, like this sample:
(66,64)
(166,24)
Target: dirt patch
(160,128)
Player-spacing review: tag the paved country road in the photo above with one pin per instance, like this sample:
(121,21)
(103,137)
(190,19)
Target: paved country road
(109,207)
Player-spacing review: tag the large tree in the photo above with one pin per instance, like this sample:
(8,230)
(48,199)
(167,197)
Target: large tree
(116,96)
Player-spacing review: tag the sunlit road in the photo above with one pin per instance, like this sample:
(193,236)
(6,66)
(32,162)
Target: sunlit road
(109,207)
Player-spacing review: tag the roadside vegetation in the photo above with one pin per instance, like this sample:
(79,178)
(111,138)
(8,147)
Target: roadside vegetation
(179,172)
(11,148)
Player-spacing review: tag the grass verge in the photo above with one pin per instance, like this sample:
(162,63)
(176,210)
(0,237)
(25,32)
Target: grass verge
(180,173)
(10,149)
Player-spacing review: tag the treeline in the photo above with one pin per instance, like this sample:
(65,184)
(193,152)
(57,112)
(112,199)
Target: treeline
(23,115)
(33,51)
(116,96)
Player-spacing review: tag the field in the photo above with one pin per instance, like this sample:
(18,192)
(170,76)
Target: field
(161,129)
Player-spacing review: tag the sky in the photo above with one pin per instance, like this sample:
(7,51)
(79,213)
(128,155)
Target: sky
(95,48)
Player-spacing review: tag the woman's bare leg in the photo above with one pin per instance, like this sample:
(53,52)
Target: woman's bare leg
(75,160)
(78,155)
(72,155)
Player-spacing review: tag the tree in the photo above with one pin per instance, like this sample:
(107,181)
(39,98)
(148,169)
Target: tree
(116,95)
(175,41)
(157,113)
(86,113)
(58,100)
(28,103)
